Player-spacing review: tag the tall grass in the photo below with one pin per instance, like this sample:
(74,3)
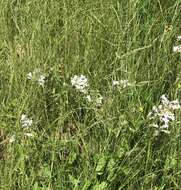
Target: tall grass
(76,144)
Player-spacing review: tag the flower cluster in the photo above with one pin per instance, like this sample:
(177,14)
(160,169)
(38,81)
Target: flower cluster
(80,83)
(121,83)
(97,100)
(163,114)
(37,76)
(41,80)
(25,121)
(178,38)
(177,49)
(12,138)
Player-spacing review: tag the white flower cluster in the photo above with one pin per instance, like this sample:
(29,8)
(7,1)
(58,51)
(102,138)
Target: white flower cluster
(163,114)
(88,97)
(25,121)
(121,83)
(80,83)
(37,76)
(29,134)
(12,138)
(96,100)
(99,101)
(178,38)
(177,49)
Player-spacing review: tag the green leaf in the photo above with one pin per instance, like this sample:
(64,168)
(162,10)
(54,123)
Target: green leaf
(101,165)
(72,158)
(86,185)
(111,167)
(74,181)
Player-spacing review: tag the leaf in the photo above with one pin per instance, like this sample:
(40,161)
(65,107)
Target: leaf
(86,185)
(101,165)
(72,158)
(74,181)
(111,167)
(45,172)
(35,186)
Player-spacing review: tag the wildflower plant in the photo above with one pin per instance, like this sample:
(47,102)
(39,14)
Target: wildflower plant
(163,115)
(25,121)
(121,84)
(178,38)
(177,48)
(80,83)
(37,76)
(12,139)
(89,132)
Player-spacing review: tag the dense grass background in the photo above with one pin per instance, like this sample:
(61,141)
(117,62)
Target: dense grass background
(77,145)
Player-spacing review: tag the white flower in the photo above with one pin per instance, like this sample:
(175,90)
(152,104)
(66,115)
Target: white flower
(165,131)
(156,133)
(80,83)
(174,105)
(12,139)
(163,113)
(99,101)
(155,109)
(124,83)
(170,104)
(37,76)
(154,125)
(41,80)
(25,121)
(150,115)
(160,107)
(115,83)
(177,49)
(121,83)
(164,100)
(164,126)
(88,97)
(29,76)
(153,113)
(29,134)
(178,38)
(167,116)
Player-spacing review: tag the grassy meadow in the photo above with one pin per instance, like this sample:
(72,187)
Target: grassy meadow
(60,132)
